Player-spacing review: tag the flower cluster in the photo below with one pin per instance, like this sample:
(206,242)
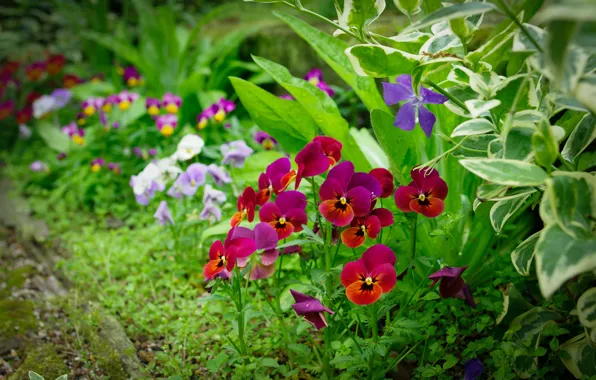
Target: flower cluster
(75,133)
(131,76)
(169,102)
(216,112)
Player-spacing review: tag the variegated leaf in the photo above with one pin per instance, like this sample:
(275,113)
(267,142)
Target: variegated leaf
(582,136)
(479,107)
(380,61)
(473,127)
(506,172)
(523,255)
(505,209)
(586,308)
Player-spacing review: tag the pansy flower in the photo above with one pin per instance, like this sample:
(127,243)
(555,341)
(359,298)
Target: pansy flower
(152,106)
(452,284)
(171,102)
(166,124)
(222,258)
(406,116)
(81,119)
(266,141)
(192,178)
(203,117)
(132,77)
(10,67)
(213,196)
(224,107)
(97,78)
(424,195)
(219,175)
(245,206)
(23,116)
(368,182)
(38,166)
(90,106)
(210,212)
(125,99)
(189,146)
(70,80)
(311,161)
(114,167)
(61,96)
(97,164)
(265,240)
(163,214)
(32,97)
(278,175)
(35,70)
(385,179)
(110,102)
(24,132)
(339,203)
(360,229)
(331,147)
(235,153)
(61,156)
(315,77)
(367,278)
(311,309)
(287,214)
(75,133)
(6,109)
(55,63)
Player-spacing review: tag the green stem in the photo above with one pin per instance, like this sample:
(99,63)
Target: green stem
(375,336)
(401,357)
(447,94)
(521,26)
(240,308)
(413,238)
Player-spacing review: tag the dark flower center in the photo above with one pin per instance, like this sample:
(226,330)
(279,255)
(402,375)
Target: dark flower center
(423,199)
(222,261)
(342,203)
(367,283)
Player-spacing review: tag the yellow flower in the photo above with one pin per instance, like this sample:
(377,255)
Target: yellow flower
(95,168)
(167,130)
(220,115)
(172,108)
(124,105)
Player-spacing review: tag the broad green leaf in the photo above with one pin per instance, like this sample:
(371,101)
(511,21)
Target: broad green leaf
(215,364)
(451,12)
(370,147)
(408,7)
(578,354)
(285,120)
(558,40)
(521,43)
(532,322)
(559,257)
(572,10)
(505,209)
(506,172)
(478,107)
(321,108)
(220,228)
(586,308)
(380,61)
(585,92)
(332,51)
(477,146)
(518,143)
(494,50)
(582,136)
(87,90)
(254,166)
(473,127)
(545,145)
(523,255)
(360,14)
(572,198)
(514,304)
(268,362)
(410,42)
(390,137)
(53,137)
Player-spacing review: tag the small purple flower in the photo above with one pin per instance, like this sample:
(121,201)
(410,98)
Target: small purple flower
(452,284)
(91,105)
(192,178)
(311,309)
(266,140)
(132,77)
(153,106)
(115,125)
(110,102)
(218,174)
(235,153)
(152,152)
(171,102)
(61,96)
(103,119)
(137,152)
(213,196)
(474,369)
(224,107)
(25,132)
(315,77)
(115,167)
(203,117)
(210,212)
(406,116)
(125,99)
(163,214)
(175,191)
(61,156)
(97,164)
(38,166)
(166,124)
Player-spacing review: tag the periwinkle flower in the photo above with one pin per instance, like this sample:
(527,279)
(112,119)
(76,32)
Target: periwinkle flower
(171,102)
(62,96)
(424,195)
(452,284)
(235,153)
(315,77)
(311,309)
(163,214)
(166,124)
(267,141)
(38,166)
(55,63)
(406,116)
(219,175)
(153,106)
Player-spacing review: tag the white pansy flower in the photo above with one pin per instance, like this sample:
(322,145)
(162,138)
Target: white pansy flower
(43,105)
(188,147)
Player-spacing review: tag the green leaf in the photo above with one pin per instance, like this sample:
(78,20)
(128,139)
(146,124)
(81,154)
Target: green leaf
(409,42)
(450,13)
(370,147)
(473,127)
(545,145)
(360,14)
(574,10)
(35,376)
(221,228)
(578,354)
(523,255)
(478,107)
(321,108)
(572,200)
(286,120)
(332,51)
(129,116)
(586,308)
(514,304)
(123,49)
(560,34)
(560,257)
(585,92)
(390,137)
(53,137)
(380,61)
(518,143)
(87,90)
(215,364)
(506,172)
(521,43)
(532,322)
(505,209)
(582,136)
(268,362)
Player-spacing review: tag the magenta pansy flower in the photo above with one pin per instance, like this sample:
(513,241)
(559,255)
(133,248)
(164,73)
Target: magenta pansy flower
(452,284)
(171,102)
(315,77)
(311,161)
(424,195)
(278,175)
(311,309)
(223,257)
(132,77)
(97,164)
(265,239)
(166,124)
(406,116)
(287,214)
(153,106)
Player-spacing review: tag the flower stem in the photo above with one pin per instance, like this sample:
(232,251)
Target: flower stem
(521,26)
(413,238)
(453,99)
(240,308)
(372,309)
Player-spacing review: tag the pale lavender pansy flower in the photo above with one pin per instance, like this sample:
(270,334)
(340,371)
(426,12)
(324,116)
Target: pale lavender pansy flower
(61,97)
(163,214)
(192,178)
(406,116)
(235,153)
(218,174)
(311,309)
(212,195)
(210,212)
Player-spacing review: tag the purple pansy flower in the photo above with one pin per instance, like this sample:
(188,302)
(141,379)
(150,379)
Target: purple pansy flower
(311,309)
(212,195)
(61,97)
(171,102)
(474,369)
(192,178)
(25,132)
(210,212)
(203,117)
(218,174)
(406,116)
(152,105)
(110,102)
(452,284)
(61,156)
(115,167)
(223,107)
(125,99)
(315,77)
(132,77)
(267,141)
(163,214)
(97,164)
(166,124)
(235,153)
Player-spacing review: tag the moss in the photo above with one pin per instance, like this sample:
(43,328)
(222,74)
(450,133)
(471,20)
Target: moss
(44,360)
(15,279)
(16,317)
(108,359)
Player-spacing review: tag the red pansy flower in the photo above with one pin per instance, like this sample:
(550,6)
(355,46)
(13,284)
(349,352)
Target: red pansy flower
(367,278)
(385,179)
(287,214)
(222,258)
(424,195)
(55,63)
(245,206)
(385,216)
(276,179)
(24,115)
(70,80)
(31,97)
(331,148)
(339,203)
(311,161)
(355,235)
(35,70)
(10,67)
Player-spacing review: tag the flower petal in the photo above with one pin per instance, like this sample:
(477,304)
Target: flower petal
(290,200)
(283,230)
(216,250)
(403,196)
(405,80)
(297,218)
(373,226)
(277,169)
(406,117)
(432,208)
(448,272)
(260,271)
(331,147)
(311,161)
(360,200)
(265,236)
(352,272)
(331,189)
(385,277)
(285,181)
(342,173)
(353,237)
(435,187)
(427,120)
(269,212)
(385,179)
(421,174)
(385,216)
(333,211)
(363,296)
(376,256)
(263,196)
(394,93)
(243,247)
(269,256)
(431,97)
(212,268)
(367,181)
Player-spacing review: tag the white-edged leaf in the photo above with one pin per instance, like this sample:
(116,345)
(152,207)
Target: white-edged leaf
(582,11)
(523,255)
(370,147)
(586,308)
(450,13)
(578,354)
(521,43)
(582,136)
(518,143)
(35,376)
(532,322)
(380,61)
(585,92)
(53,137)
(473,127)
(503,210)
(478,107)
(360,13)
(559,257)
(506,172)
